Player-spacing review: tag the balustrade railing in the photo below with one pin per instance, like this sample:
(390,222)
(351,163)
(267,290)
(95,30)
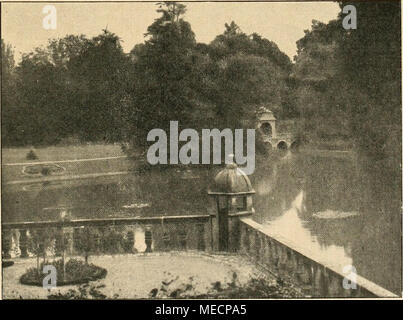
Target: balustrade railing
(106,236)
(196,232)
(297,265)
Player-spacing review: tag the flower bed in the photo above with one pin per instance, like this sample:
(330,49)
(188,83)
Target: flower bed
(43,169)
(77,272)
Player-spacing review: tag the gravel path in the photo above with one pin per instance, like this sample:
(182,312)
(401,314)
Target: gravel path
(135,276)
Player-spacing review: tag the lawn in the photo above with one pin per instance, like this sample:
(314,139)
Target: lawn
(57,153)
(61,153)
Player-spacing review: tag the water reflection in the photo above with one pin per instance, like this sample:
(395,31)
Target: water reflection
(342,213)
(167,192)
(290,226)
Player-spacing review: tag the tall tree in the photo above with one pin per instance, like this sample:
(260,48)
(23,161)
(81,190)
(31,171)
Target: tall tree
(350,80)
(316,71)
(372,69)
(74,86)
(164,70)
(248,71)
(44,95)
(100,76)
(8,97)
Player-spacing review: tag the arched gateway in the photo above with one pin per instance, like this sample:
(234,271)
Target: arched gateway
(267,122)
(267,125)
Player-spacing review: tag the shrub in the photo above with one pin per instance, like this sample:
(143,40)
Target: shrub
(255,288)
(31,155)
(83,292)
(45,171)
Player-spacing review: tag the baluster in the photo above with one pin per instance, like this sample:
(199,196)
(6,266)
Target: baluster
(282,259)
(276,256)
(358,292)
(24,243)
(130,241)
(271,254)
(265,250)
(148,239)
(268,252)
(262,247)
(257,245)
(287,260)
(166,238)
(246,240)
(41,245)
(326,277)
(97,240)
(235,236)
(68,234)
(251,237)
(304,273)
(59,245)
(200,241)
(335,285)
(182,239)
(316,280)
(6,244)
(319,281)
(293,265)
(15,243)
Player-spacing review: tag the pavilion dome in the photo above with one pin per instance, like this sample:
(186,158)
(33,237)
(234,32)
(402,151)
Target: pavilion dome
(231,180)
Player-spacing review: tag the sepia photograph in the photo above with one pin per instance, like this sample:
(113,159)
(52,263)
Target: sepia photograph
(201,150)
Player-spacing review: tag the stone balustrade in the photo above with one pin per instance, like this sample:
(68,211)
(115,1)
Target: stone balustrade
(296,264)
(276,255)
(106,236)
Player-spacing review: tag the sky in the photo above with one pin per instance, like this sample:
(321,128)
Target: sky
(281,22)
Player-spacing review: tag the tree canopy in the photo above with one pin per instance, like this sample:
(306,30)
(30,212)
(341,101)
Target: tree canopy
(343,84)
(349,80)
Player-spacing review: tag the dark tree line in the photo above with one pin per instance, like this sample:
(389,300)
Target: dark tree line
(70,88)
(349,81)
(91,90)
(344,85)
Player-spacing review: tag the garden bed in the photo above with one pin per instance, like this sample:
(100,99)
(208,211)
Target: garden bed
(77,272)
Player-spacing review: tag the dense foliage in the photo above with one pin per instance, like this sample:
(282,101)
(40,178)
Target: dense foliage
(254,288)
(349,81)
(344,86)
(73,87)
(90,90)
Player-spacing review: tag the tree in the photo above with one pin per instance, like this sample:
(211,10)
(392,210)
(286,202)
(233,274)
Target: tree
(72,87)
(349,80)
(318,88)
(164,70)
(372,68)
(100,78)
(219,85)
(8,97)
(43,92)
(247,71)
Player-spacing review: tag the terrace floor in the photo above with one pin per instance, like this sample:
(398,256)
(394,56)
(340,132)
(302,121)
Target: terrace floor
(136,275)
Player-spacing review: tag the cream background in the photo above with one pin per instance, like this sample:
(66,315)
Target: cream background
(283,23)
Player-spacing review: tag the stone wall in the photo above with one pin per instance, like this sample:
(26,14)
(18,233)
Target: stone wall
(296,264)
